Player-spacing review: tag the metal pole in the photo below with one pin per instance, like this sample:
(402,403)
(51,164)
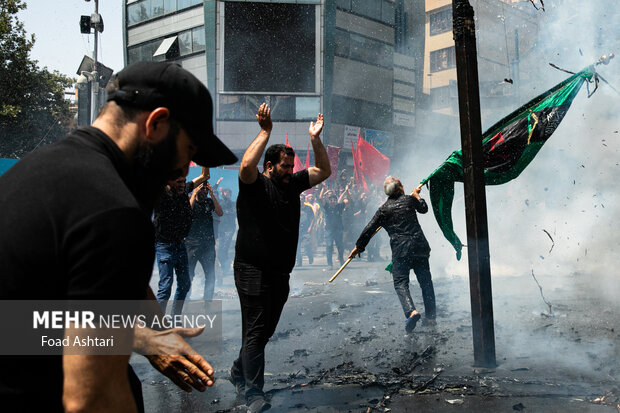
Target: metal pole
(95,78)
(473,180)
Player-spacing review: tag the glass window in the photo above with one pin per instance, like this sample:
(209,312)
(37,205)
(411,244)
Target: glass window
(170,6)
(443,59)
(441,21)
(288,64)
(183,4)
(157,8)
(307,107)
(185,42)
(138,12)
(198,39)
(387,12)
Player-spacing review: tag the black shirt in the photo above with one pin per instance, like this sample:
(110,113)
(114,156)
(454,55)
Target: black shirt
(202,222)
(268,217)
(398,216)
(70,228)
(173,216)
(333,216)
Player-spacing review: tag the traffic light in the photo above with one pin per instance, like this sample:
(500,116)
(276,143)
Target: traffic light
(85,24)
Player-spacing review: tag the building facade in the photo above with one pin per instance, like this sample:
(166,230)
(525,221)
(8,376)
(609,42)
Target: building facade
(506,33)
(352,60)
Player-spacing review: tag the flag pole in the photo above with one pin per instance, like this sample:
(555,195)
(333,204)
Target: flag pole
(474,184)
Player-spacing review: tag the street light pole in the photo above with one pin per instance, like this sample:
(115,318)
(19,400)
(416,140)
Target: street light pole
(473,181)
(95,79)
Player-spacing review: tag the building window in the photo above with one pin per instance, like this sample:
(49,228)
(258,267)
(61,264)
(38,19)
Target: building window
(443,59)
(185,43)
(270,47)
(441,21)
(145,10)
(283,108)
(441,97)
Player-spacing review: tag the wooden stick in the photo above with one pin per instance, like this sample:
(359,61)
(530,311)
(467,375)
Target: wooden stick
(340,270)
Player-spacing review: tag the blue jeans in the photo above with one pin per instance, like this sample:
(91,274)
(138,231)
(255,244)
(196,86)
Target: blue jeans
(203,252)
(170,258)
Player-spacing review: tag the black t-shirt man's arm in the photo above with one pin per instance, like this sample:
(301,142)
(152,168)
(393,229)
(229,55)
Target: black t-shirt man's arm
(248,171)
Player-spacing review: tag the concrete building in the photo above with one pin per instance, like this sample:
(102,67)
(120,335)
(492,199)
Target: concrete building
(352,60)
(506,33)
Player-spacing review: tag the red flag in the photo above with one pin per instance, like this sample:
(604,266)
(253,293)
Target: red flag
(359,176)
(332,154)
(297,165)
(373,164)
(307,164)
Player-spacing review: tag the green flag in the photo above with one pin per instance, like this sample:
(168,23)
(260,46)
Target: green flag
(508,148)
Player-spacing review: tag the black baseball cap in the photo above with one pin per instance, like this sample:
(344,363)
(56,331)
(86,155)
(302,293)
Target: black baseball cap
(149,85)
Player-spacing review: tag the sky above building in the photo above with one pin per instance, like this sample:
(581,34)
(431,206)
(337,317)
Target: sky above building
(60,46)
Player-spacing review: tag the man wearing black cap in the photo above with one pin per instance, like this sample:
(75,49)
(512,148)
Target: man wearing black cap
(268,214)
(75,225)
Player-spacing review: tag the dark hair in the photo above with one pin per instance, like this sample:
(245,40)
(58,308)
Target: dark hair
(273,154)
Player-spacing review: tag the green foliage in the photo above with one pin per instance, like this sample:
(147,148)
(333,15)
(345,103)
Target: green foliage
(33,108)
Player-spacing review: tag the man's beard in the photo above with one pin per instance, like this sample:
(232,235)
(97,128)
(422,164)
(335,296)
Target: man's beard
(154,166)
(280,177)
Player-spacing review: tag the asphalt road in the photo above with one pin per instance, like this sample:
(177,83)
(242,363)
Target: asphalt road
(342,347)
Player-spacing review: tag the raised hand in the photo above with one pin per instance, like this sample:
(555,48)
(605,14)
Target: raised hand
(316,128)
(263,117)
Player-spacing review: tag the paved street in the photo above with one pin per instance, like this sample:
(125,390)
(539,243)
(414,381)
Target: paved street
(342,347)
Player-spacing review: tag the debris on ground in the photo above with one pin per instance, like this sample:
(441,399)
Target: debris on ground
(543,297)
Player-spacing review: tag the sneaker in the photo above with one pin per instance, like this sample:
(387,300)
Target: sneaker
(411,322)
(239,384)
(259,405)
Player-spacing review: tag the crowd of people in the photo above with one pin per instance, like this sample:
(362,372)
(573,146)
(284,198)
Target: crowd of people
(77,226)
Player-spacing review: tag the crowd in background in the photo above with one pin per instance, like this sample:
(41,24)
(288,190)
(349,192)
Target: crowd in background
(333,214)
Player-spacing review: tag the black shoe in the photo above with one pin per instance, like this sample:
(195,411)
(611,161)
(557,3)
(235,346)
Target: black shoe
(430,322)
(239,384)
(411,322)
(259,405)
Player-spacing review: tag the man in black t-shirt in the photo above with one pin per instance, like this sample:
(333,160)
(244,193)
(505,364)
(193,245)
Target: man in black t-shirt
(268,216)
(172,220)
(228,225)
(75,225)
(201,239)
(333,207)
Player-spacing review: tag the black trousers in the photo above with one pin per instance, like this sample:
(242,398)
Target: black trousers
(400,274)
(262,296)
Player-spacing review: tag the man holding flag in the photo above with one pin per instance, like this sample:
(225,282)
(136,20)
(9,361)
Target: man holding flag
(410,249)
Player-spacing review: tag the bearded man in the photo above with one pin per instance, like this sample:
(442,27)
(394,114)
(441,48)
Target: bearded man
(268,209)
